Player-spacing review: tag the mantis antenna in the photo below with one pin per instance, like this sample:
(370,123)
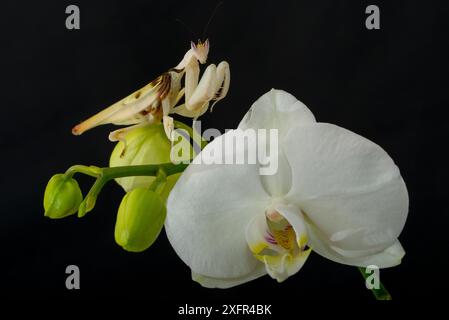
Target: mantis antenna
(206,27)
(194,34)
(210,19)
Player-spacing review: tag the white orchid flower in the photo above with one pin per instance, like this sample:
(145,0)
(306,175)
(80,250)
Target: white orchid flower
(334,192)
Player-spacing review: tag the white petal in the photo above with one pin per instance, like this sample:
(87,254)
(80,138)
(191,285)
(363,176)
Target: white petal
(224,283)
(348,187)
(330,160)
(277,109)
(365,222)
(279,183)
(207,213)
(389,257)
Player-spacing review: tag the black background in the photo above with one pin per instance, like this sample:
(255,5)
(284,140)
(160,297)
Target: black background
(389,85)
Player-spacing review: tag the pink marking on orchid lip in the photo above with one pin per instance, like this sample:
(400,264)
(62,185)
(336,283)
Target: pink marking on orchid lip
(269,238)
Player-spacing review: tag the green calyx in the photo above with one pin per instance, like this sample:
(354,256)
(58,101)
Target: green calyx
(140,219)
(146,146)
(62,197)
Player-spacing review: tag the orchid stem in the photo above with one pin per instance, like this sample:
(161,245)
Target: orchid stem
(380,293)
(90,171)
(158,184)
(106,174)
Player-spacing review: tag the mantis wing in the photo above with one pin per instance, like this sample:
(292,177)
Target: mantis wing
(127,110)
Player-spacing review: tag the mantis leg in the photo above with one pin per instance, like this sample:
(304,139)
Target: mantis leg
(224,80)
(192,74)
(214,85)
(119,134)
(167,120)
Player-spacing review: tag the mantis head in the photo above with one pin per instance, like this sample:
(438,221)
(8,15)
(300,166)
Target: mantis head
(200,50)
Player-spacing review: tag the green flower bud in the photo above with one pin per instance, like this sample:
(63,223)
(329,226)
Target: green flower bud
(140,219)
(146,145)
(62,197)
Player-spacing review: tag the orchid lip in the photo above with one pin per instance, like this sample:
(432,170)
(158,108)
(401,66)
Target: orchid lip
(278,244)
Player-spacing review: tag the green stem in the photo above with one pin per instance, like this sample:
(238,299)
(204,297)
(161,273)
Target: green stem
(90,171)
(158,184)
(142,170)
(104,175)
(380,293)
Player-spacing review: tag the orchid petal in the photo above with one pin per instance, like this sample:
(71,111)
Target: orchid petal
(277,109)
(279,183)
(224,283)
(207,213)
(348,187)
(389,257)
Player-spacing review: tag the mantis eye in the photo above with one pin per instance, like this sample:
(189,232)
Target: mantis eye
(192,45)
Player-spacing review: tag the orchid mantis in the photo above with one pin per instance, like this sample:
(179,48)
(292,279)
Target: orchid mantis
(160,98)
